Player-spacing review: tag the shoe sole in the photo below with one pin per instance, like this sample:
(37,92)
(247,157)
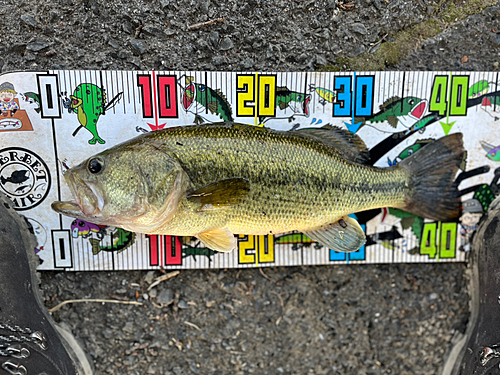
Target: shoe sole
(75,350)
(459,342)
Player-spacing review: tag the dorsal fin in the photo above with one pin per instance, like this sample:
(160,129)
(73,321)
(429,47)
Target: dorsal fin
(348,145)
(390,101)
(223,97)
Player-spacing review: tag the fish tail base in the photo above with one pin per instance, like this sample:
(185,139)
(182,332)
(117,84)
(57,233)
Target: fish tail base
(432,191)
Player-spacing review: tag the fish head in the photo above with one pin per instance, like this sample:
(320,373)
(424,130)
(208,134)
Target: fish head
(414,106)
(133,186)
(494,154)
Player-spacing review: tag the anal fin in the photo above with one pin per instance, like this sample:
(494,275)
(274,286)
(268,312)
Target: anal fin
(219,239)
(345,235)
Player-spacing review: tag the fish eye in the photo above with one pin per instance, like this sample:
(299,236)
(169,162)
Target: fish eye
(410,151)
(411,101)
(95,165)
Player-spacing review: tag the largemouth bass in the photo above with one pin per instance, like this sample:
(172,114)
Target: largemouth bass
(214,181)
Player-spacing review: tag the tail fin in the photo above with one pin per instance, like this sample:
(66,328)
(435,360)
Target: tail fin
(433,192)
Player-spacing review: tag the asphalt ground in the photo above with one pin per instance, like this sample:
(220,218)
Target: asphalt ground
(376,319)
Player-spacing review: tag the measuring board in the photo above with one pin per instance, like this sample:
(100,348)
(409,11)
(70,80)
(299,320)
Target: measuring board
(59,118)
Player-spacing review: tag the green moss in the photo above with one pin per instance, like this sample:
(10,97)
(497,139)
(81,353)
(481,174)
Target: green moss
(456,13)
(390,53)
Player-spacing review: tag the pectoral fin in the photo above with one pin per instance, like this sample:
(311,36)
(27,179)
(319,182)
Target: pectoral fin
(345,235)
(218,239)
(221,194)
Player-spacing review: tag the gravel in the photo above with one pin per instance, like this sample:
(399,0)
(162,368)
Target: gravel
(377,319)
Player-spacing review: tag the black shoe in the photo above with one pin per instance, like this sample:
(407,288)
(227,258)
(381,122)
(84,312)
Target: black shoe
(478,351)
(30,341)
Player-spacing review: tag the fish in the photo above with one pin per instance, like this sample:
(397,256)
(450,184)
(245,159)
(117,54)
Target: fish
(84,229)
(33,97)
(326,96)
(194,251)
(395,108)
(298,102)
(408,151)
(479,88)
(216,180)
(16,177)
(493,152)
(89,102)
(206,97)
(120,241)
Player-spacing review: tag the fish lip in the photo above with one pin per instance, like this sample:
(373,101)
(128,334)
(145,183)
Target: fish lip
(90,190)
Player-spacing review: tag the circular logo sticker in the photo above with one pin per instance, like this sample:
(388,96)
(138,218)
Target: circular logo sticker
(24,177)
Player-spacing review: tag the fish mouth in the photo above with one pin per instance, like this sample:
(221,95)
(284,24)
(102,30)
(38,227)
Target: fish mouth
(88,199)
(419,110)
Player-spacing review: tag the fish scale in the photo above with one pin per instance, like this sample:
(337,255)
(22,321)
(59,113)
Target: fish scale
(295,183)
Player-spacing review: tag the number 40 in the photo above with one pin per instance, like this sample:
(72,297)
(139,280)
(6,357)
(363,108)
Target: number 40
(442,238)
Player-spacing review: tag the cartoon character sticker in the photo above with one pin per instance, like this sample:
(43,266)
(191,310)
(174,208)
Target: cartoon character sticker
(89,102)
(12,118)
(472,212)
(108,238)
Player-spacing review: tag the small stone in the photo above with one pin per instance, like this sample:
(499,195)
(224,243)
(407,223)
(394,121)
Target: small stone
(247,63)
(152,369)
(152,31)
(128,27)
(37,45)
(377,4)
(114,43)
(434,296)
(218,60)
(153,293)
(164,3)
(107,333)
(321,60)
(183,304)
(332,4)
(214,38)
(149,277)
(495,39)
(138,46)
(358,50)
(29,20)
(358,28)
(51,53)
(135,61)
(226,44)
(129,327)
(203,6)
(52,16)
(165,297)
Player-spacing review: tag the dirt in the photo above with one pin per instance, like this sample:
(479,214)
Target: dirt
(381,319)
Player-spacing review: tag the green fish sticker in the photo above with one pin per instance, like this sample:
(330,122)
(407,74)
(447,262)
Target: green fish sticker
(393,109)
(88,101)
(121,239)
(298,102)
(197,251)
(198,97)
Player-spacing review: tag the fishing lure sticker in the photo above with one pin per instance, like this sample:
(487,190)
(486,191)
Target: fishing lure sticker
(51,121)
